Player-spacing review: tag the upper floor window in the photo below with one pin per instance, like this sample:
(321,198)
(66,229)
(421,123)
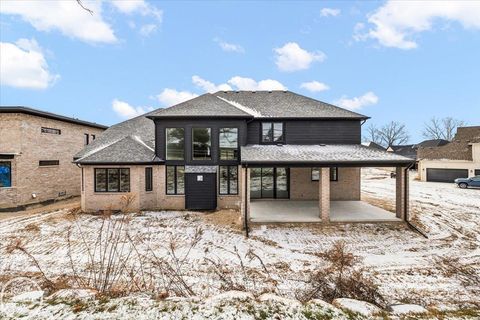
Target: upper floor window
(175,145)
(45,163)
(201,144)
(51,130)
(93,137)
(333,174)
(272,132)
(228,141)
(112,180)
(86,139)
(5,174)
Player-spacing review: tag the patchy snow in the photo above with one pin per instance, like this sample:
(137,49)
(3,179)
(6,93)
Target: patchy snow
(403,263)
(240,106)
(364,308)
(28,296)
(74,294)
(402,309)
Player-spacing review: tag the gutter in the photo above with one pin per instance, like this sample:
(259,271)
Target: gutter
(406,203)
(245,217)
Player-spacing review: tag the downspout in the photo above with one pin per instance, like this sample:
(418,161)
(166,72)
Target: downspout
(245,216)
(405,203)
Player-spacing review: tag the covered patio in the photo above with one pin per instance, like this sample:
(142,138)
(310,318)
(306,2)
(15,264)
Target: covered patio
(316,184)
(297,211)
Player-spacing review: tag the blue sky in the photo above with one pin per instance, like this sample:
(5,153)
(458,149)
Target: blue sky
(404,61)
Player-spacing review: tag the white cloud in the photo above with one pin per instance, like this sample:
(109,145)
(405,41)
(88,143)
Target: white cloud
(396,22)
(169,97)
(65,16)
(241,83)
(126,111)
(229,47)
(23,65)
(356,103)
(137,6)
(291,57)
(209,86)
(314,86)
(329,12)
(148,29)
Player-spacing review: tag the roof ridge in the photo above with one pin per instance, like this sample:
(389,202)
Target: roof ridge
(241,107)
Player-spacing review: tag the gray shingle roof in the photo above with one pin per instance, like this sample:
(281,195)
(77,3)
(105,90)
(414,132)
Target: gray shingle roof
(258,104)
(140,129)
(127,150)
(206,105)
(318,154)
(286,104)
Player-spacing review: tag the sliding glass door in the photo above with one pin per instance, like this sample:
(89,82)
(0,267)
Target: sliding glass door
(269,183)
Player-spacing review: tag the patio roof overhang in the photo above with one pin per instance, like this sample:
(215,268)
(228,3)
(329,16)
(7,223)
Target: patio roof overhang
(320,156)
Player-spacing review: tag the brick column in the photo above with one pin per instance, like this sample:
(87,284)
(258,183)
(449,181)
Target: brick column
(324,194)
(401,195)
(245,195)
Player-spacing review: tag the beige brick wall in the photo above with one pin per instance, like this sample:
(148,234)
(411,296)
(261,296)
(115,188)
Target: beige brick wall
(324,194)
(346,188)
(21,134)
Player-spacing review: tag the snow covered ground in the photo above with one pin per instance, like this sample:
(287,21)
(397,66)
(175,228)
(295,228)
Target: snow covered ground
(402,262)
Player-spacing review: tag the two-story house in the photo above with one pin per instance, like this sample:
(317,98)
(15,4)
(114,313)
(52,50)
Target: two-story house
(231,149)
(36,150)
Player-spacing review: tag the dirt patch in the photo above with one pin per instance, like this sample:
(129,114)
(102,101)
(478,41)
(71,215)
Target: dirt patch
(226,217)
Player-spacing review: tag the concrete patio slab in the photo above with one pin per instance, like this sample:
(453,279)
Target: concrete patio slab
(286,211)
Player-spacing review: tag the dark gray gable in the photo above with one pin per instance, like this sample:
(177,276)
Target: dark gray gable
(286,104)
(206,105)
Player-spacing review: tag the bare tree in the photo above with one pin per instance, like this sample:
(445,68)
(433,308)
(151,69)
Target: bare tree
(393,133)
(85,8)
(372,134)
(444,128)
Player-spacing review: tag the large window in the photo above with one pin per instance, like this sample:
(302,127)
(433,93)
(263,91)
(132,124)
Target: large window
(201,143)
(175,180)
(269,183)
(333,174)
(175,143)
(112,180)
(228,140)
(148,179)
(228,180)
(272,132)
(5,174)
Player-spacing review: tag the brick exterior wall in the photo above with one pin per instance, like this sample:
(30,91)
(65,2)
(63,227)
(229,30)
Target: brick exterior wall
(348,186)
(21,134)
(324,194)
(401,180)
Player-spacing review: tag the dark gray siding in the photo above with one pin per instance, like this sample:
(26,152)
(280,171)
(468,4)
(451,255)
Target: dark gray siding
(313,132)
(215,125)
(201,195)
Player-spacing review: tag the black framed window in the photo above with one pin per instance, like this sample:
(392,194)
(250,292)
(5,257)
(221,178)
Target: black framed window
(272,132)
(112,179)
(201,144)
(175,143)
(45,163)
(5,174)
(175,180)
(228,142)
(228,180)
(51,130)
(86,139)
(333,174)
(148,179)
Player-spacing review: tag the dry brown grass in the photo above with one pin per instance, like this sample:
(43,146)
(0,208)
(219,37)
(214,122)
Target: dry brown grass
(224,218)
(32,227)
(381,203)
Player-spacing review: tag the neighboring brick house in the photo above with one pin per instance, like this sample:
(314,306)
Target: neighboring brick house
(458,159)
(410,150)
(227,149)
(36,150)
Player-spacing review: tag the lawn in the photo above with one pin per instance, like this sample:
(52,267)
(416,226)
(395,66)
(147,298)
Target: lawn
(197,255)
